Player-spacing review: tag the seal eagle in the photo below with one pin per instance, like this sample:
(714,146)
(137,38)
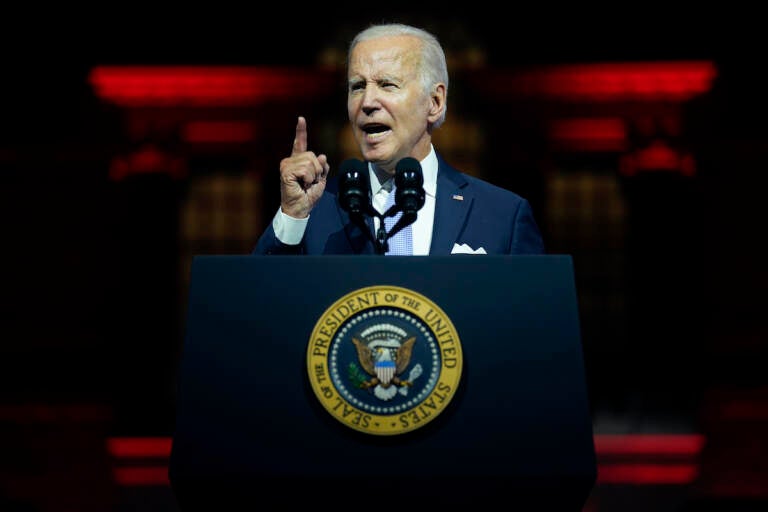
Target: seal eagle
(385,361)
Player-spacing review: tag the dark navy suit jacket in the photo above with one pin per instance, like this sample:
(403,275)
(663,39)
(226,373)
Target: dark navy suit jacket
(487,216)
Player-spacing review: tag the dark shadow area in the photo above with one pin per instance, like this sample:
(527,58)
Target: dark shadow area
(93,309)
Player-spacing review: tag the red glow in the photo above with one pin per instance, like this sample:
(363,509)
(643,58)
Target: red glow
(633,474)
(647,474)
(687,445)
(130,447)
(649,444)
(141,476)
(745,410)
(658,156)
(214,86)
(147,159)
(589,134)
(621,81)
(206,132)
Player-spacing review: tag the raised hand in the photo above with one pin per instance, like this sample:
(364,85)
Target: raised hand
(302,176)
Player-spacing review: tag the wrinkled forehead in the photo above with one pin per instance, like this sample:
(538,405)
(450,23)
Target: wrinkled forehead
(384,55)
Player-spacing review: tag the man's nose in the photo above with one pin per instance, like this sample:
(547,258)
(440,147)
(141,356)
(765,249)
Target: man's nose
(370,99)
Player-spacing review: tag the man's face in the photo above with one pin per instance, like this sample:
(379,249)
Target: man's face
(387,107)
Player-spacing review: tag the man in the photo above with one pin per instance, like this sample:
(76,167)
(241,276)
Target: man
(397,95)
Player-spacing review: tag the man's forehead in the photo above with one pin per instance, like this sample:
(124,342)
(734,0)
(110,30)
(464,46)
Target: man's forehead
(384,49)
(385,62)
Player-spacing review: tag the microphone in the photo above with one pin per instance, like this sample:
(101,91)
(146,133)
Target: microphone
(409,193)
(354,187)
(355,196)
(409,183)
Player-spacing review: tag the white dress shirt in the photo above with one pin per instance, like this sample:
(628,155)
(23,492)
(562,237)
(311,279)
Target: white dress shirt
(290,230)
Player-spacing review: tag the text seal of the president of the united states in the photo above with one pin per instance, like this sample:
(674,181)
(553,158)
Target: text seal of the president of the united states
(384,360)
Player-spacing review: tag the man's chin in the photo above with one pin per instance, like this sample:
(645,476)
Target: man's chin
(377,158)
(386,165)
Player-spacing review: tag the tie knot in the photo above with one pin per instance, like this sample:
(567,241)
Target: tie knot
(388,185)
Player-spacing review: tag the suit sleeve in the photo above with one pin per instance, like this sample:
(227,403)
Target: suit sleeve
(269,244)
(526,236)
(278,235)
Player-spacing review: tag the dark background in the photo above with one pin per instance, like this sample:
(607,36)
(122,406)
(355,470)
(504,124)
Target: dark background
(93,306)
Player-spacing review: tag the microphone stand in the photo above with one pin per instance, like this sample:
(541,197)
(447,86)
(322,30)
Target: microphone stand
(382,236)
(380,244)
(380,241)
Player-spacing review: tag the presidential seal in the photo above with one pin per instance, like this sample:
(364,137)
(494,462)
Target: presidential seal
(384,360)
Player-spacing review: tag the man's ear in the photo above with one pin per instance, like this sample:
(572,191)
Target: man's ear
(437,102)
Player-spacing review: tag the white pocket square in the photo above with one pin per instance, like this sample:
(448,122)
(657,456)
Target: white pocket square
(465,249)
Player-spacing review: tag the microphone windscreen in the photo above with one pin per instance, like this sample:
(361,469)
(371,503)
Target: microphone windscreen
(409,183)
(408,173)
(354,187)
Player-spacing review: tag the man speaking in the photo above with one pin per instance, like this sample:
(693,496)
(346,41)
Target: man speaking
(397,95)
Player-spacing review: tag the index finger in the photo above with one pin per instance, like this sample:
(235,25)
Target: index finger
(300,142)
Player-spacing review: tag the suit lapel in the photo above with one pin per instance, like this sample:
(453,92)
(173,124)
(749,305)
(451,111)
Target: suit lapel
(453,199)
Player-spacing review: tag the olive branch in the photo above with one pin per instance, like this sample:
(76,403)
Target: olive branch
(355,376)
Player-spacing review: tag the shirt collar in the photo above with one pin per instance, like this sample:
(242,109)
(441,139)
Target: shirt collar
(428,169)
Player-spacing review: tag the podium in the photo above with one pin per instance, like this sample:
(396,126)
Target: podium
(382,382)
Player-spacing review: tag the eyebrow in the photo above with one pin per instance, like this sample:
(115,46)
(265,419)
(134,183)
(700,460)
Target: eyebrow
(384,78)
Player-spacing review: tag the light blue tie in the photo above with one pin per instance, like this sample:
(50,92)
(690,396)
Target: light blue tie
(401,244)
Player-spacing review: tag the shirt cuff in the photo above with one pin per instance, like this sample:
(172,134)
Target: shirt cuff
(289,230)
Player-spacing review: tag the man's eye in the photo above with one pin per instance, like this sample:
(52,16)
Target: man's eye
(355,87)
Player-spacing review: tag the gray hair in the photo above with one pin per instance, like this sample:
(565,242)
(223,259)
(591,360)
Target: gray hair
(434,68)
